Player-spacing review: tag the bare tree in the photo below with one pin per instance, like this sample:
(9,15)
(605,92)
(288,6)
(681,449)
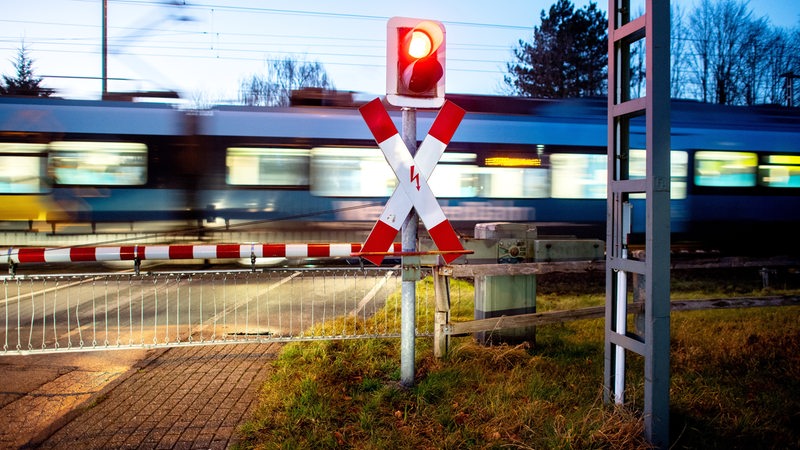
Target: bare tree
(702,33)
(718,28)
(274,88)
(638,73)
(794,72)
(724,54)
(199,100)
(753,78)
(778,62)
(735,54)
(784,68)
(679,64)
(732,19)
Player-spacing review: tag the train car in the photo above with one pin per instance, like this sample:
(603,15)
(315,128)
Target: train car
(734,170)
(743,185)
(314,173)
(73,166)
(322,165)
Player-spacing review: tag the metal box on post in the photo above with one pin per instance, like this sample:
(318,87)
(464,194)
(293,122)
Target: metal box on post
(506,295)
(562,249)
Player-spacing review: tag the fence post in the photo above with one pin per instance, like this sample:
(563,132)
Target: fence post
(441,318)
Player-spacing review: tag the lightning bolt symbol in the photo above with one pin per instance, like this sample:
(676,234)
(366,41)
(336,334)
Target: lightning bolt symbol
(414,176)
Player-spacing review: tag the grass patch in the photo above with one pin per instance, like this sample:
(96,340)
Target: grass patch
(735,384)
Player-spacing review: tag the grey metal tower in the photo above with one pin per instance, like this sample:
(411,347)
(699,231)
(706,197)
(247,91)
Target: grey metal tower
(650,32)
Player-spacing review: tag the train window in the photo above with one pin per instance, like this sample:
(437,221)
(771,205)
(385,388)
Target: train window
(725,169)
(578,175)
(251,166)
(99,163)
(456,175)
(22,168)
(679,171)
(510,182)
(780,171)
(350,172)
(363,172)
(455,181)
(514,176)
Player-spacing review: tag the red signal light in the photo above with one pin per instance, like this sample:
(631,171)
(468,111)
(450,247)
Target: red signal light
(415,62)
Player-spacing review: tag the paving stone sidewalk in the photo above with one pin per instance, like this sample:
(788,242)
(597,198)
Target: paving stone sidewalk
(183,398)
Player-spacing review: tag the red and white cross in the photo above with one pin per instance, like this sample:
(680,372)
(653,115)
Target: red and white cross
(413,173)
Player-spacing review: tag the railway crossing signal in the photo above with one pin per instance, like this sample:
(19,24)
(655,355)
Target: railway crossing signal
(415,62)
(413,173)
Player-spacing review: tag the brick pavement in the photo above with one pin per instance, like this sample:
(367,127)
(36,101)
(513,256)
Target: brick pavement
(185,397)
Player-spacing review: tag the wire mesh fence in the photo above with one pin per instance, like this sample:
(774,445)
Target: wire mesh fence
(99,311)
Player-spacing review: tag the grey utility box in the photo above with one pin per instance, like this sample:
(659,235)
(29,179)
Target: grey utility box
(561,249)
(506,295)
(510,295)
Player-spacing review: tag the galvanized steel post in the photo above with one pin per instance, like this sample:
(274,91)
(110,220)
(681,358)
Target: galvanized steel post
(410,267)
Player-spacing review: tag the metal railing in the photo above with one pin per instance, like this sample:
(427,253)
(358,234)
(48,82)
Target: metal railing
(100,311)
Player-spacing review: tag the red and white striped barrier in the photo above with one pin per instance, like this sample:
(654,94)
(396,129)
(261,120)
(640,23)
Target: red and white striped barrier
(413,173)
(175,252)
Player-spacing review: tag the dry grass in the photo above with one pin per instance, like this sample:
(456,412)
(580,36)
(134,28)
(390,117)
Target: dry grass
(735,384)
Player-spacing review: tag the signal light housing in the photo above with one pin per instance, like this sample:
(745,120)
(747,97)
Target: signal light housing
(415,62)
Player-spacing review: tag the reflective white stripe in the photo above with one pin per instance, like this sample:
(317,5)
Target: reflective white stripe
(296,250)
(245,250)
(429,154)
(340,250)
(108,254)
(155,251)
(204,251)
(57,255)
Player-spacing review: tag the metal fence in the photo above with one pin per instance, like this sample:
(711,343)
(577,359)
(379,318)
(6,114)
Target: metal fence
(100,311)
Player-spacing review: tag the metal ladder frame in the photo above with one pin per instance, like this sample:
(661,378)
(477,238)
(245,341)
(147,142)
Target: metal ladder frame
(653,342)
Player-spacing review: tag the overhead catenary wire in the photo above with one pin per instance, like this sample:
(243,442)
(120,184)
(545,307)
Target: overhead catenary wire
(243,46)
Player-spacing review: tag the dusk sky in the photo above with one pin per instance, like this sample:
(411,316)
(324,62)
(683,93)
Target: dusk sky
(208,46)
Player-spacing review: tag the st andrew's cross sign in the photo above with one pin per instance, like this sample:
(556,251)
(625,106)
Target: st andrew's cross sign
(412,173)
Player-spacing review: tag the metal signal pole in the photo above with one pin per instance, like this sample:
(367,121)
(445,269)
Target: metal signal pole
(411,267)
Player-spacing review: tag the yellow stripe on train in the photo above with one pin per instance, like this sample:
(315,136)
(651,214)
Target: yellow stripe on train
(26,207)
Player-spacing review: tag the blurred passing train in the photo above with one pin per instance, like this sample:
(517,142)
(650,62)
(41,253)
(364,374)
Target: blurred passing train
(86,167)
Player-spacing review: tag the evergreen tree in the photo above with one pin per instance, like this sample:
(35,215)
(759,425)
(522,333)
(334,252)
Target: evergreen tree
(25,83)
(567,57)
